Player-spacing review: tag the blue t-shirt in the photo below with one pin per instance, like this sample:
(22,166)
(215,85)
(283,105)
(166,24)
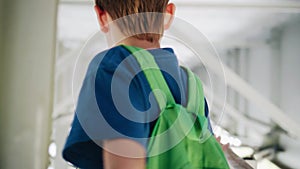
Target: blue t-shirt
(115,101)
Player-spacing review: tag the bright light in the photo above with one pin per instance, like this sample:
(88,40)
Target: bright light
(52,150)
(226,137)
(236,142)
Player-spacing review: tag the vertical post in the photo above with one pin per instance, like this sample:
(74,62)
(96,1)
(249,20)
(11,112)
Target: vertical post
(1,76)
(275,44)
(27,65)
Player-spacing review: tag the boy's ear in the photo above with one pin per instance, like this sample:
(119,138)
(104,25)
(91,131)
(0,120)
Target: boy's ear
(170,13)
(102,18)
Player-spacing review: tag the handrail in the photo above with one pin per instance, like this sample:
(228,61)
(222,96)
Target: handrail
(235,161)
(274,112)
(252,95)
(233,112)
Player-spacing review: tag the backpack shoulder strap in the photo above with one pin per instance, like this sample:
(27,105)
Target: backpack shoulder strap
(196,105)
(154,76)
(157,82)
(195,94)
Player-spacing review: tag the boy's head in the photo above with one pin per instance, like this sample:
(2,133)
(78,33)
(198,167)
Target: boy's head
(142,19)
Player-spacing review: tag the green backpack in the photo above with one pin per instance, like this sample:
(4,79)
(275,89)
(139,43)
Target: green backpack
(180,139)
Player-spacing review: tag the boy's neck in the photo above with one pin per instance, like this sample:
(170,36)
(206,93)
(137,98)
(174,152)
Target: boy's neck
(140,43)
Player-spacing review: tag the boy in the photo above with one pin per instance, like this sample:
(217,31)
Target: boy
(116,111)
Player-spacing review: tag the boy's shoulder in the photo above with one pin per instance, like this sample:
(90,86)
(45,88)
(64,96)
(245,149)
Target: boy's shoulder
(105,59)
(112,58)
(107,56)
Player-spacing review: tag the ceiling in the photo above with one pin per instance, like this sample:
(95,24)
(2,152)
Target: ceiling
(219,20)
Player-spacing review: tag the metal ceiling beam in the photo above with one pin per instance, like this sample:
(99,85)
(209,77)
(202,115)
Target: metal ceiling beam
(287,5)
(245,4)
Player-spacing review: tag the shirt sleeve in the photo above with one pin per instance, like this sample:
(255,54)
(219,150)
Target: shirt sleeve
(80,149)
(111,105)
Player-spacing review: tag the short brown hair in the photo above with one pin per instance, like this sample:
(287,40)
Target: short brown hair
(147,26)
